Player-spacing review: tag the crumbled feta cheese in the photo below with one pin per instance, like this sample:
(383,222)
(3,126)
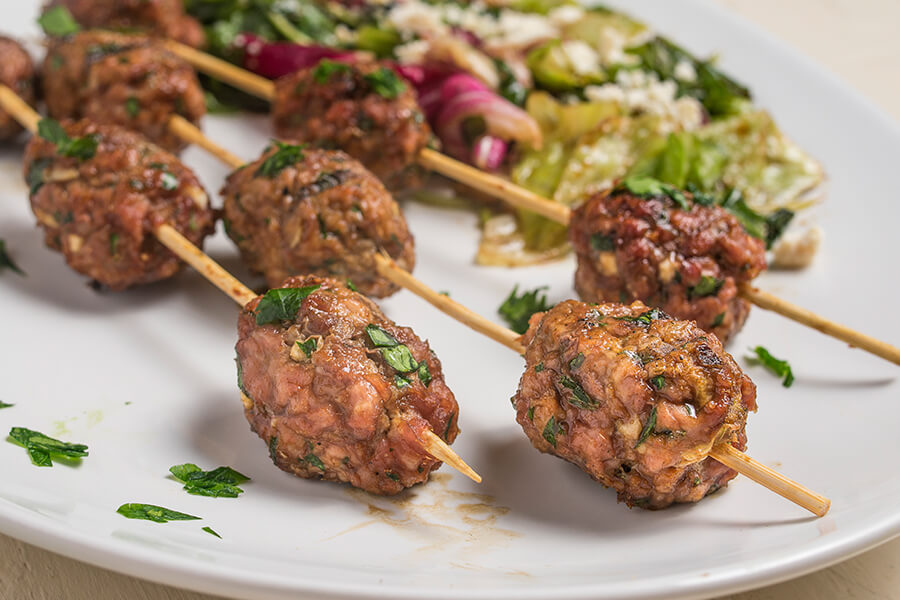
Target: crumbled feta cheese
(344,34)
(581,57)
(417,17)
(640,92)
(608,92)
(684,71)
(796,249)
(412,53)
(565,15)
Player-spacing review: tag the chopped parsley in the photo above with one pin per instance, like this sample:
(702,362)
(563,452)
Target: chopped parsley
(81,148)
(5,404)
(765,227)
(517,310)
(449,425)
(579,397)
(577,361)
(113,244)
(132,107)
(273,447)
(58,21)
(326,68)
(309,346)
(645,318)
(539,367)
(649,426)
(707,286)
(397,355)
(392,476)
(285,156)
(314,461)
(718,320)
(42,449)
(659,382)
(386,83)
(649,187)
(401,382)
(530,413)
(34,177)
(210,531)
(240,375)
(602,242)
(551,430)
(151,512)
(221,482)
(779,367)
(351,286)
(6,261)
(282,304)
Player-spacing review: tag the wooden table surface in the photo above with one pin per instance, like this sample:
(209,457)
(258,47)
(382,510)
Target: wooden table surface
(857,40)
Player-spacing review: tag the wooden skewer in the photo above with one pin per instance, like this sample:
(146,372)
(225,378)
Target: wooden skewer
(191,134)
(522,198)
(724,453)
(210,269)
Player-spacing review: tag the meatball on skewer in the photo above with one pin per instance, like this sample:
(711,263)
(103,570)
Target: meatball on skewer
(101,194)
(17,73)
(602,379)
(372,416)
(126,80)
(337,390)
(688,261)
(163,18)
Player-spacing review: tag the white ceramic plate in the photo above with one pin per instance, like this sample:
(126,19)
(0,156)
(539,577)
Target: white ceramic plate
(146,378)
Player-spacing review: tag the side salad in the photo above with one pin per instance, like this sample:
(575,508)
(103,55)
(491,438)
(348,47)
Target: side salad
(562,98)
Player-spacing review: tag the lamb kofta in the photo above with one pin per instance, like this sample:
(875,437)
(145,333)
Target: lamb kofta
(299,210)
(633,397)
(126,80)
(100,192)
(163,18)
(337,390)
(364,109)
(16,73)
(669,251)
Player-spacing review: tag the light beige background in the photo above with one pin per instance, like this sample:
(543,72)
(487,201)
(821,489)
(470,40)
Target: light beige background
(856,39)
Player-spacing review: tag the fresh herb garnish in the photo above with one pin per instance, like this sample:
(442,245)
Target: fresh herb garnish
(42,449)
(449,425)
(781,368)
(221,482)
(718,320)
(285,156)
(392,476)
(281,304)
(397,355)
(385,82)
(273,447)
(530,413)
(424,373)
(151,512)
(517,310)
(659,382)
(577,361)
(401,382)
(551,430)
(645,318)
(579,397)
(5,404)
(602,242)
(34,177)
(132,107)
(351,286)
(308,346)
(168,181)
(6,261)
(649,426)
(314,461)
(539,367)
(379,337)
(240,375)
(113,244)
(58,21)
(81,148)
(707,286)
(210,531)
(648,187)
(326,68)
(765,227)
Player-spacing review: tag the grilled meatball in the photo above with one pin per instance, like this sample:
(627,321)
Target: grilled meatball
(298,211)
(319,388)
(17,73)
(163,18)
(126,80)
(102,191)
(363,109)
(634,398)
(687,262)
